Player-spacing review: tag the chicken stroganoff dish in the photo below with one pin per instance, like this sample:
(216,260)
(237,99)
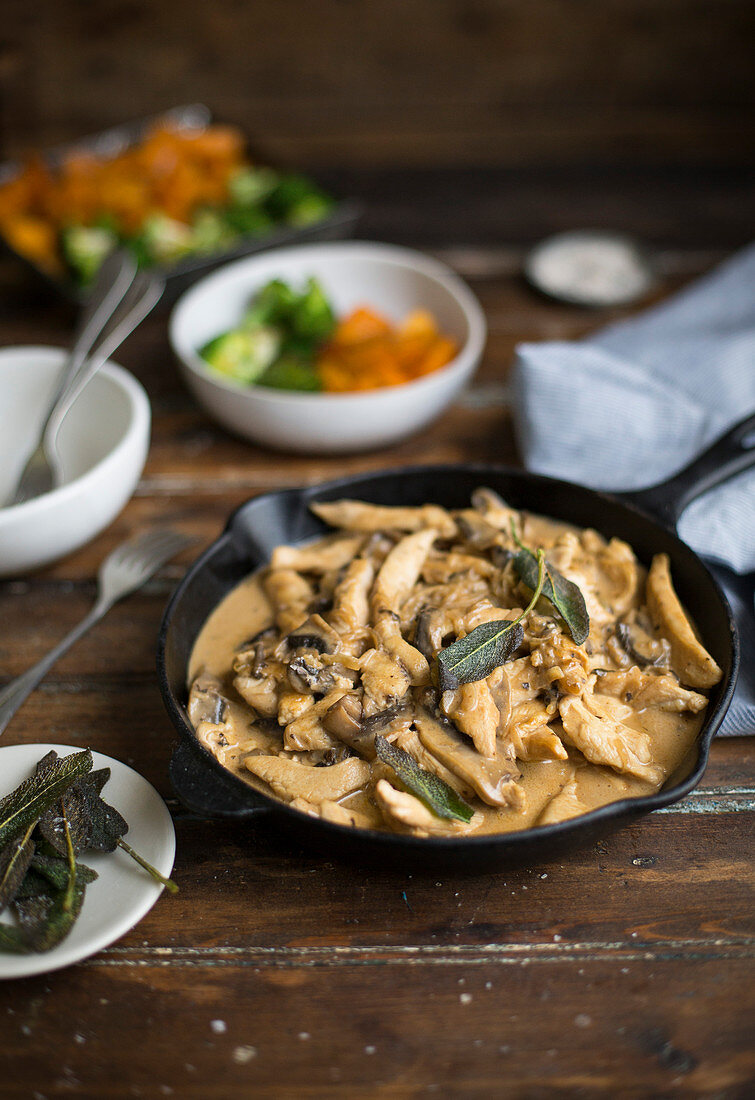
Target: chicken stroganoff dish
(451,673)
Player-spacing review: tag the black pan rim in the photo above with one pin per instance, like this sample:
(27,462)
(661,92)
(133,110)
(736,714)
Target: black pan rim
(260,803)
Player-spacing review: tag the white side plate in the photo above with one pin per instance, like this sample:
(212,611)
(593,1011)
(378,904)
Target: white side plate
(124,892)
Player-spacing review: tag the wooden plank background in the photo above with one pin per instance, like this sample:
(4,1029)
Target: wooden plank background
(411,82)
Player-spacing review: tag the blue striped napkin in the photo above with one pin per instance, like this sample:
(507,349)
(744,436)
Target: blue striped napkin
(637,401)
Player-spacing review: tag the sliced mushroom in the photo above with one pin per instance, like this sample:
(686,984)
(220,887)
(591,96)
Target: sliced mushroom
(494,780)
(314,633)
(409,740)
(345,720)
(290,779)
(690,660)
(642,647)
(206,700)
(344,815)
(476,530)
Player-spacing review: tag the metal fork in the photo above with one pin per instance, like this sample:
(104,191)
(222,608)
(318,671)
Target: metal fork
(124,570)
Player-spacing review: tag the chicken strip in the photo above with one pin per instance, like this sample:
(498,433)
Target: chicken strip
(603,740)
(355,515)
(689,658)
(318,557)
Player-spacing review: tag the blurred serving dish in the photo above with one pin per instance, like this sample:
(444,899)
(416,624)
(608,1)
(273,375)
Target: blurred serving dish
(102,442)
(182,193)
(384,295)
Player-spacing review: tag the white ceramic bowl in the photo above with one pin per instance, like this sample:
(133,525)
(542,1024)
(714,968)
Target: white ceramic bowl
(393,281)
(103,444)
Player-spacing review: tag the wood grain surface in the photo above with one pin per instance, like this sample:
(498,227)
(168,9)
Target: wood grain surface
(625,970)
(449,82)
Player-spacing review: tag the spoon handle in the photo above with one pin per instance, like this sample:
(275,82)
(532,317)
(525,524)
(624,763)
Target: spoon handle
(113,281)
(140,299)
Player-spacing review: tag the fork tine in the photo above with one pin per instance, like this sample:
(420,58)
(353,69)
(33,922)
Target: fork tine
(140,552)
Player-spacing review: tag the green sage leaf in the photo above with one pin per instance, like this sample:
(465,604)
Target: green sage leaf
(37,794)
(47,919)
(107,825)
(474,657)
(50,873)
(562,593)
(485,648)
(12,940)
(14,863)
(430,789)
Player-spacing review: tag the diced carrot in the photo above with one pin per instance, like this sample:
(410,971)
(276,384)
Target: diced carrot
(366,352)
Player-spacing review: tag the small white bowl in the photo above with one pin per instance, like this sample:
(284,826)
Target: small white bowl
(353,273)
(103,444)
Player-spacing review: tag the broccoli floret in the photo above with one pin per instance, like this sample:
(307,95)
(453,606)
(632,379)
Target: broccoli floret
(250,186)
(211,231)
(312,317)
(291,372)
(166,240)
(289,193)
(274,304)
(251,221)
(309,210)
(243,354)
(85,247)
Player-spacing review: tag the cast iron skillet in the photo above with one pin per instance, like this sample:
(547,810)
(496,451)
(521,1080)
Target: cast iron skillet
(205,787)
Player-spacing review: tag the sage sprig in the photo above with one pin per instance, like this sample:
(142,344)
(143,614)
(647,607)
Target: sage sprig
(564,594)
(486,647)
(44,825)
(430,789)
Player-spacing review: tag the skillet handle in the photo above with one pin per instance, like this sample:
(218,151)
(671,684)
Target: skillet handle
(203,792)
(731,454)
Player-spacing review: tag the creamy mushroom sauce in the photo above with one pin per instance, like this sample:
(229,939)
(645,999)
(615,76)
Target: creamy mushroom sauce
(301,665)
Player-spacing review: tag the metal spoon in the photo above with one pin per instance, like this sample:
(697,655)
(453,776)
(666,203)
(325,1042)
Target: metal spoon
(116,275)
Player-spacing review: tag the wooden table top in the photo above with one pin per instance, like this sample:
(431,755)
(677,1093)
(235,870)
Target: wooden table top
(624,969)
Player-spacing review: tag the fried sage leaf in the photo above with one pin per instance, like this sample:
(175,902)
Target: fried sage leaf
(37,794)
(47,919)
(108,826)
(430,789)
(14,863)
(485,648)
(12,940)
(50,873)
